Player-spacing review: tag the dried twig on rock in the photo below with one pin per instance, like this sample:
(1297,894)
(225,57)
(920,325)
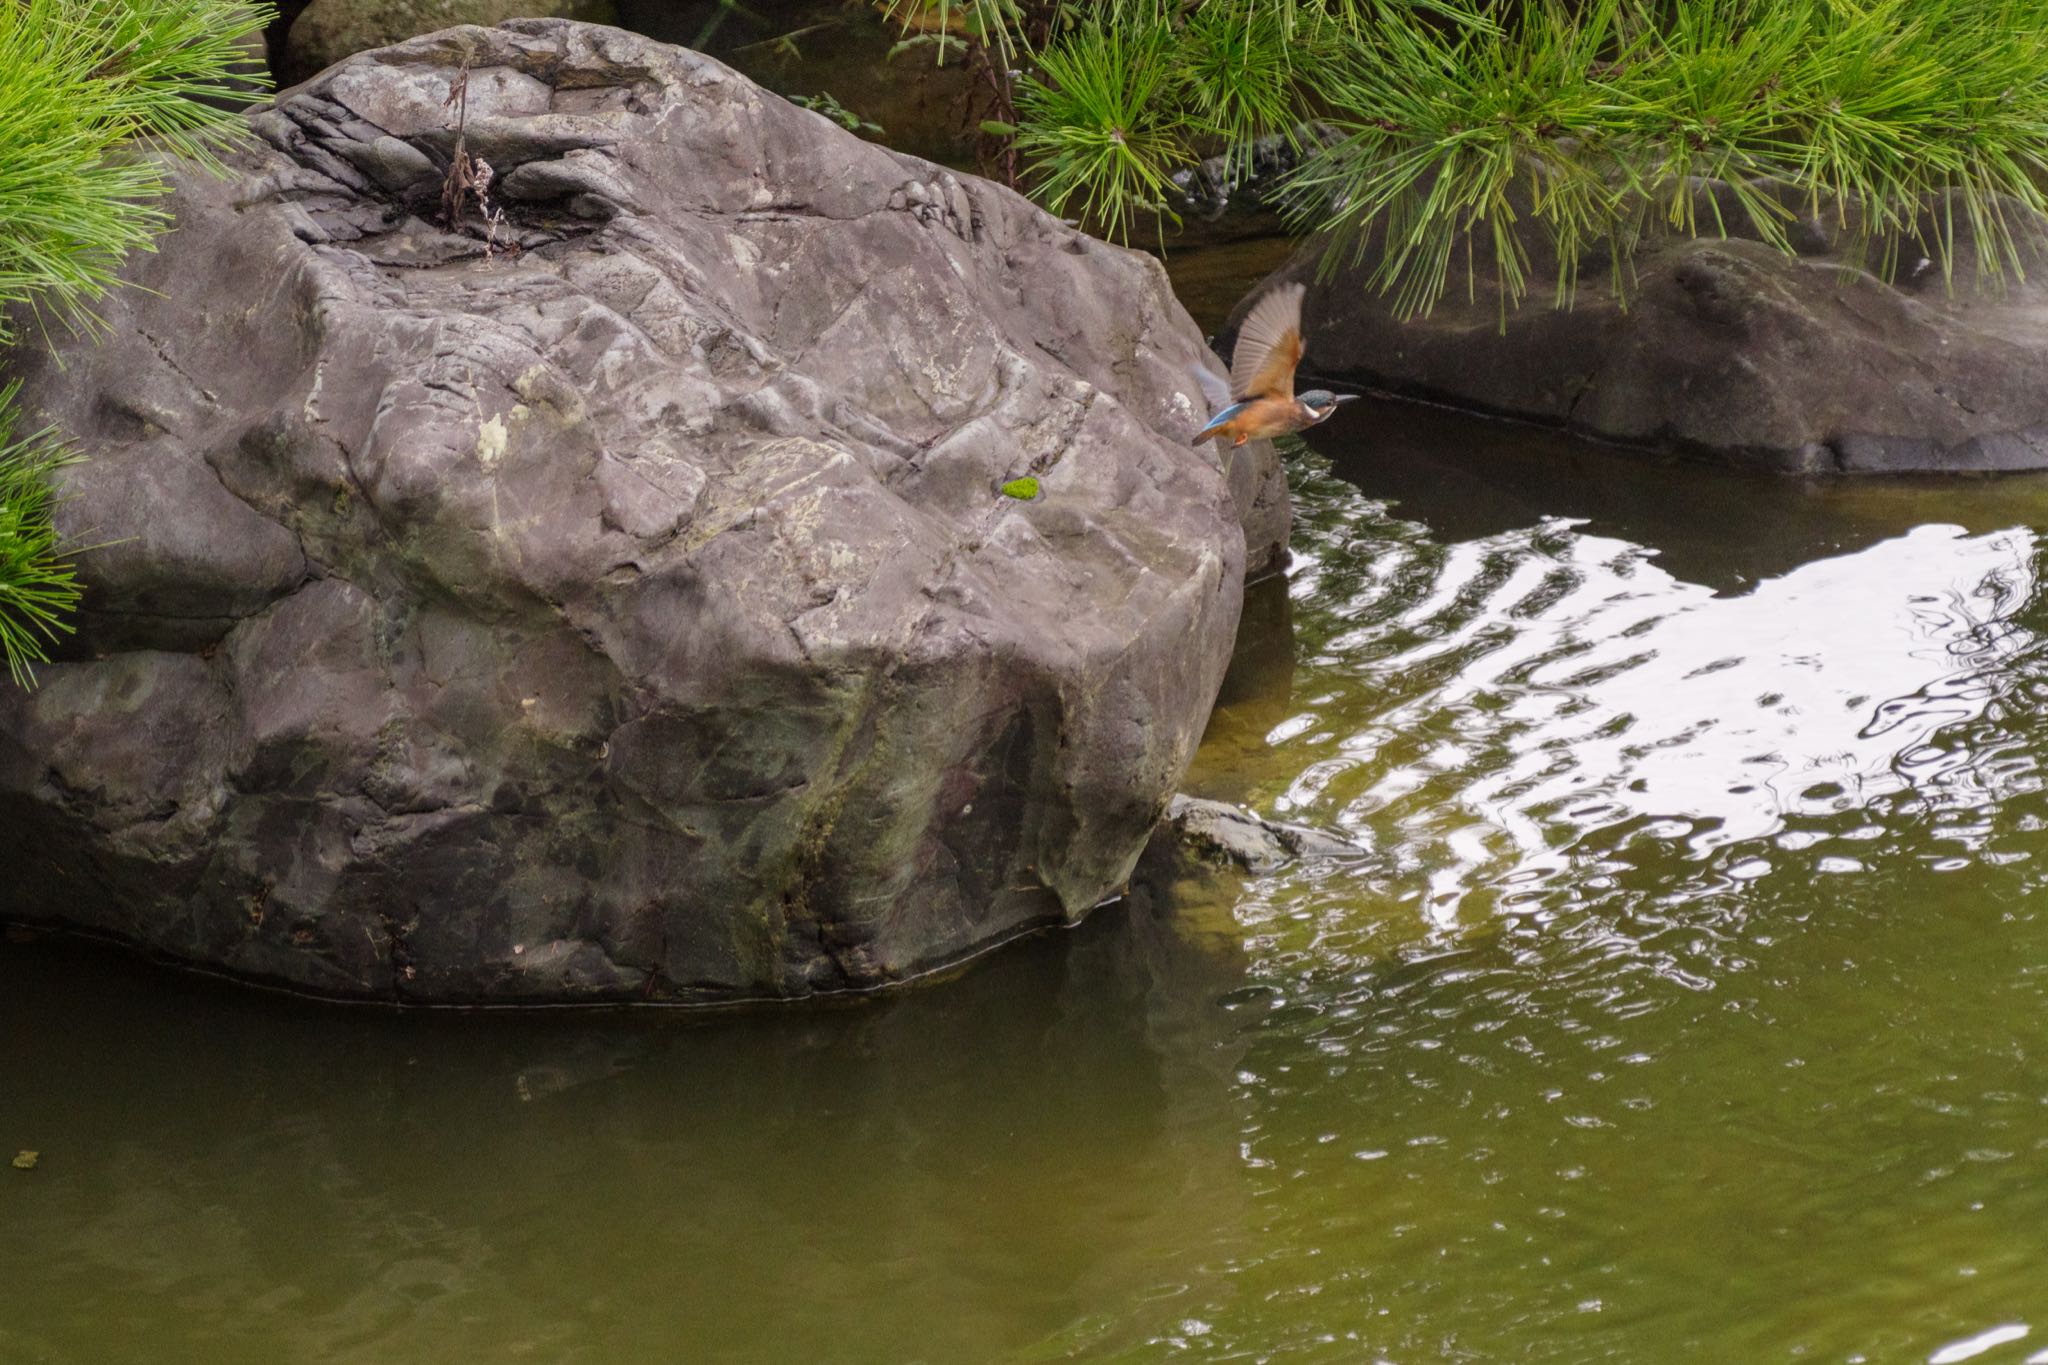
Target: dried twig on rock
(469,177)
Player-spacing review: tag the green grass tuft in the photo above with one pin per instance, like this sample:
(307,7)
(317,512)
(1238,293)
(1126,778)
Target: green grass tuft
(1024,489)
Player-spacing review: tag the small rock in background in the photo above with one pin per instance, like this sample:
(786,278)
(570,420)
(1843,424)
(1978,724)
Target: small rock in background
(1808,362)
(1251,183)
(326,31)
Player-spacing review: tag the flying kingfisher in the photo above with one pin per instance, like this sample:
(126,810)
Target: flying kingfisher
(1260,400)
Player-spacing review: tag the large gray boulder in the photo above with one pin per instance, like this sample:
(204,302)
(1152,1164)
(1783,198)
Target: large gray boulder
(634,610)
(1806,363)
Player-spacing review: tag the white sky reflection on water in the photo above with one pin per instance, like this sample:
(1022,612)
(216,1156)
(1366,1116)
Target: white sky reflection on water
(1578,686)
(1972,1347)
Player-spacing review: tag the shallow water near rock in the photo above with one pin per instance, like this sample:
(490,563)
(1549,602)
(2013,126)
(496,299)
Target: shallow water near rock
(1689,1004)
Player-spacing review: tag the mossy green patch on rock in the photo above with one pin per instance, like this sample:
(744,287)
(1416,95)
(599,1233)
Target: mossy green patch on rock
(1024,489)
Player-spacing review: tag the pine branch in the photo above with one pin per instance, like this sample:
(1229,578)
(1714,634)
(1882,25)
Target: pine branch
(38,590)
(1575,127)
(86,88)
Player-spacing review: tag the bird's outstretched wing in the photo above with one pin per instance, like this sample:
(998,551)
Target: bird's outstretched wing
(1268,346)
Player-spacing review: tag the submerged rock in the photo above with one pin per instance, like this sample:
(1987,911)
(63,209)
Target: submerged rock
(1194,869)
(1808,363)
(630,608)
(1224,834)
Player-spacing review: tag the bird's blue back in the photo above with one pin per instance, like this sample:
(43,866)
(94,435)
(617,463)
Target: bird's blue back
(1224,416)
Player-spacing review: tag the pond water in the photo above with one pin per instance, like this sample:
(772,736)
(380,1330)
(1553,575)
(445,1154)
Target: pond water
(1688,1000)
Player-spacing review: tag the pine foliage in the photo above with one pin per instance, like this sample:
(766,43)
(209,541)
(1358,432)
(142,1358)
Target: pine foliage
(87,89)
(1580,125)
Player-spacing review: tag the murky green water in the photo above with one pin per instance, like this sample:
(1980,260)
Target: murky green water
(1688,1002)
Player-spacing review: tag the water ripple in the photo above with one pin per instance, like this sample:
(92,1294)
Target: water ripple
(1497,706)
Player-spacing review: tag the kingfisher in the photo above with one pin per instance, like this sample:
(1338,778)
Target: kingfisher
(1259,401)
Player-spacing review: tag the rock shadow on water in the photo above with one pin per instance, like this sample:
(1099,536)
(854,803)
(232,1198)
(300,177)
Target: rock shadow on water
(962,1171)
(1467,478)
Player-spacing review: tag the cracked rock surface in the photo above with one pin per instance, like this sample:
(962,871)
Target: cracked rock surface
(1729,349)
(632,612)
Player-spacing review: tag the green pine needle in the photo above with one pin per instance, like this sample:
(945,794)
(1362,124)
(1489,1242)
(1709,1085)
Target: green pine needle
(37,588)
(1573,127)
(87,87)
(1102,123)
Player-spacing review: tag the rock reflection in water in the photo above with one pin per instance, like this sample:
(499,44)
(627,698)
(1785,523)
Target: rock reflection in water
(963,1171)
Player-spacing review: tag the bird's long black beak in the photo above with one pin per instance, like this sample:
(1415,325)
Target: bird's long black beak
(1344,398)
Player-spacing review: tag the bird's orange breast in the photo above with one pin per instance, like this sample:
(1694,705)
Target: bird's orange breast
(1262,419)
